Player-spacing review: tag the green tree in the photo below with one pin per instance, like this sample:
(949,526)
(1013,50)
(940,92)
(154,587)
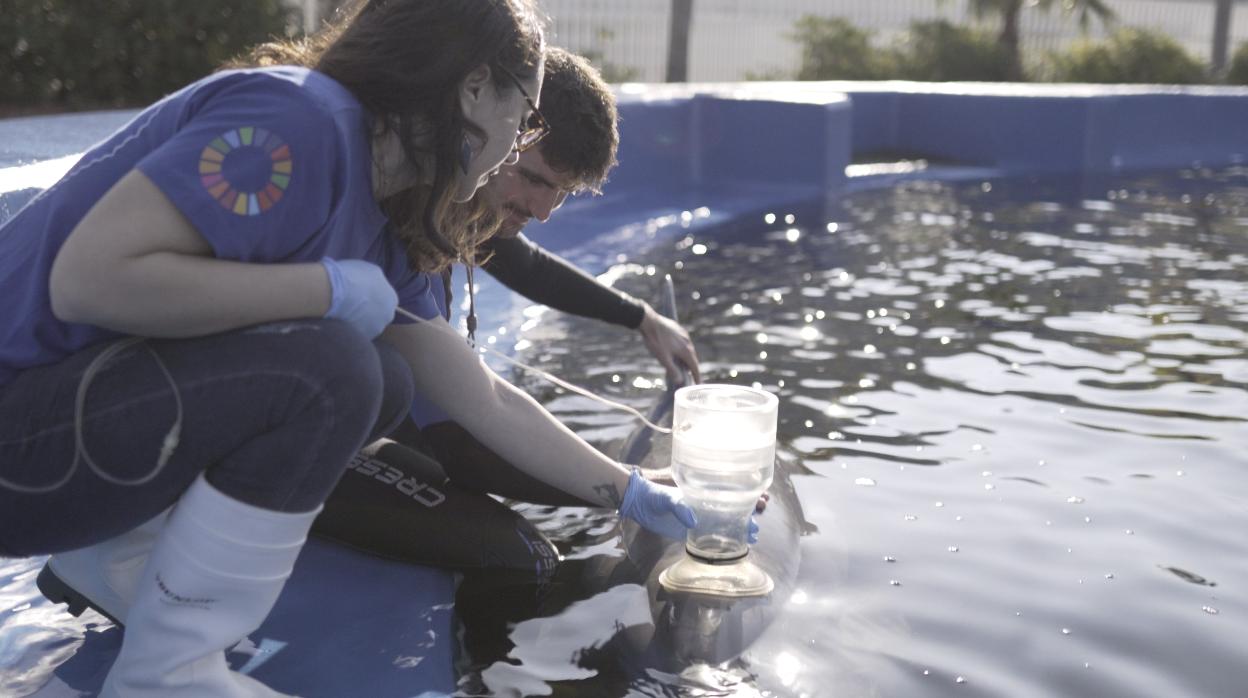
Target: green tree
(94,53)
(938,51)
(1010,13)
(613,73)
(834,49)
(1129,56)
(1237,73)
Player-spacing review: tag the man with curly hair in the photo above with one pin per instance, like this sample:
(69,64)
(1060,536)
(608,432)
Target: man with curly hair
(575,157)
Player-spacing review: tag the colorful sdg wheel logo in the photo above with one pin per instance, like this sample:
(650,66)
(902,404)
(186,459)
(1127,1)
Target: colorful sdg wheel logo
(233,170)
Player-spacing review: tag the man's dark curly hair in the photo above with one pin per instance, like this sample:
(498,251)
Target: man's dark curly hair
(581,110)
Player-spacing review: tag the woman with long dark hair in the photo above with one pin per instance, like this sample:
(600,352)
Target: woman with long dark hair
(201,313)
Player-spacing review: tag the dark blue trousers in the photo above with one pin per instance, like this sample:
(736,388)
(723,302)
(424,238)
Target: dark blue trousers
(271,414)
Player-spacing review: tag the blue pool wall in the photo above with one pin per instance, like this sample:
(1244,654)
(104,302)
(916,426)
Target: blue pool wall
(1091,130)
(683,146)
(697,157)
(772,131)
(733,149)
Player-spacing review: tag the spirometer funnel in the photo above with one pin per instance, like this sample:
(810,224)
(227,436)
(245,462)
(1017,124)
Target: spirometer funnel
(723,457)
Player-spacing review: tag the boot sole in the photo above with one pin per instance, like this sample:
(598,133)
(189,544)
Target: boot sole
(56,590)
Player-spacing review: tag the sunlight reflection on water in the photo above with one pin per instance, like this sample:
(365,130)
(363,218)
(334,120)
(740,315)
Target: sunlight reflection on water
(1019,411)
(1019,406)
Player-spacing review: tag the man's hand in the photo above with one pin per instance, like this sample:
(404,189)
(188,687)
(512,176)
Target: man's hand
(670,344)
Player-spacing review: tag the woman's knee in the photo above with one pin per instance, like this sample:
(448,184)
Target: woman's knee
(398,390)
(327,384)
(332,366)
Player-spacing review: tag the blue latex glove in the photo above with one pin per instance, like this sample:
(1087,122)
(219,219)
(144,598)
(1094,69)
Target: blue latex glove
(656,507)
(360,295)
(751,532)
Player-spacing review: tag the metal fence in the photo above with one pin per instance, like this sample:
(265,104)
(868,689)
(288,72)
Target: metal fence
(737,39)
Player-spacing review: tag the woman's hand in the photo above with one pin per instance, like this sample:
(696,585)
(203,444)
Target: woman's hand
(657,508)
(360,295)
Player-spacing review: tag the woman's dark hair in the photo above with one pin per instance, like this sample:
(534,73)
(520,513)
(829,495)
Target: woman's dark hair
(404,61)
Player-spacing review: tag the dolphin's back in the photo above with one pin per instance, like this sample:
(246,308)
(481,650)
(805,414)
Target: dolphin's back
(694,628)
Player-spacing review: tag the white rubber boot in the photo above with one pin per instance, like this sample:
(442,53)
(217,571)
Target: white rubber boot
(101,576)
(214,574)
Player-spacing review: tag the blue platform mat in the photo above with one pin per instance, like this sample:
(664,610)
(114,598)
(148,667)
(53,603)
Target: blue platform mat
(347,624)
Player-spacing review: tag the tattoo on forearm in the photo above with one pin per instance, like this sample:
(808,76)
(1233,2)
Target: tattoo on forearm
(611,493)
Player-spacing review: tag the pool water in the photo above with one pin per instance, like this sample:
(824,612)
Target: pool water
(1014,413)
(1020,412)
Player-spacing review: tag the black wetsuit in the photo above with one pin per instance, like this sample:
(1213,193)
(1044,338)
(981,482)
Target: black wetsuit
(524,267)
(424,499)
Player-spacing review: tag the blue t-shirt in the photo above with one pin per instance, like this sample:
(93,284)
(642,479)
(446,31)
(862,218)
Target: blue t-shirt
(269,165)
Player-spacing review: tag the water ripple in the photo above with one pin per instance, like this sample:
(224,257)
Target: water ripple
(1069,366)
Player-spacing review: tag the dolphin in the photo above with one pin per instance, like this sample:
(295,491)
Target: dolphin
(603,615)
(690,628)
(620,619)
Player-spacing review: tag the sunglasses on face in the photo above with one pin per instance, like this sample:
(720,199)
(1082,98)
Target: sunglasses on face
(532,129)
